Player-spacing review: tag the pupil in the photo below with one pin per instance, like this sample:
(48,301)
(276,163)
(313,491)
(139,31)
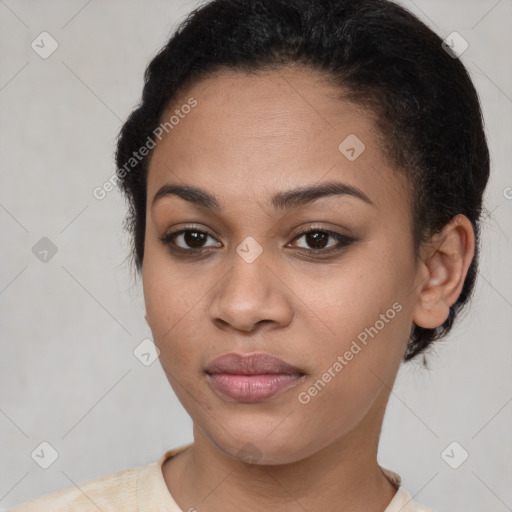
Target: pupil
(314,238)
(194,238)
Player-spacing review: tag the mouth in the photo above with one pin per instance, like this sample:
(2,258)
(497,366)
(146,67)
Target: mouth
(251,378)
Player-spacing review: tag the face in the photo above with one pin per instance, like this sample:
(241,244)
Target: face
(323,281)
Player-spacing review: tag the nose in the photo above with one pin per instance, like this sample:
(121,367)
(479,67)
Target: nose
(251,294)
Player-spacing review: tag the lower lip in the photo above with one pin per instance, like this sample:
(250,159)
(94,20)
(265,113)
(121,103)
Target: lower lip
(252,388)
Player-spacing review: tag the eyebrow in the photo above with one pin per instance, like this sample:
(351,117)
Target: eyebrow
(282,200)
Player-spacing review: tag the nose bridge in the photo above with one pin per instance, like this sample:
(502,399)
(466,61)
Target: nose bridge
(250,292)
(249,276)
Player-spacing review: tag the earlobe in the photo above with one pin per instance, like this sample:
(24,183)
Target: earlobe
(447,258)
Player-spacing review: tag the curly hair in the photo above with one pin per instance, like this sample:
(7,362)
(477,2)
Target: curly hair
(381,57)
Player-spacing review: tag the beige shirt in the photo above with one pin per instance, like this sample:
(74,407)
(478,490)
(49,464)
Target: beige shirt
(143,489)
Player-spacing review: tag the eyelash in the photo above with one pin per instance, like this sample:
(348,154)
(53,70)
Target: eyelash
(343,242)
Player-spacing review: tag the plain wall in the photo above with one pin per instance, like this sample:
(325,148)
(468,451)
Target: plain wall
(69,326)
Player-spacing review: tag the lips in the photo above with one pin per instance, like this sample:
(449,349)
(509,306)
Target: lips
(252,364)
(251,378)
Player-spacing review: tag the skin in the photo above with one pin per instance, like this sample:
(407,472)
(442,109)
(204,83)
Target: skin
(249,137)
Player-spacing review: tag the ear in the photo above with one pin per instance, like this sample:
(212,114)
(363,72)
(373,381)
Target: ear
(445,262)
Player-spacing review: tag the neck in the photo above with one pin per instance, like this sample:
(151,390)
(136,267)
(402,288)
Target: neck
(343,476)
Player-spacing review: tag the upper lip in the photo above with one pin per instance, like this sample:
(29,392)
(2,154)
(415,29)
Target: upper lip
(250,364)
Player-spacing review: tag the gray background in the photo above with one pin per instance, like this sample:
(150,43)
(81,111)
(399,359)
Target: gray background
(69,326)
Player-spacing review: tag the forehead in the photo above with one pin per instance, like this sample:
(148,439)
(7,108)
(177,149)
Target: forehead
(252,134)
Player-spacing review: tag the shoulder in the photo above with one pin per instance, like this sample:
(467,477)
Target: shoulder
(402,501)
(110,493)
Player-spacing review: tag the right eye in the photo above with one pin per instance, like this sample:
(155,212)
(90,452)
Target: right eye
(191,240)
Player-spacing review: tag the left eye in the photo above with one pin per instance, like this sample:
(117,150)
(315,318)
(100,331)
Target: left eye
(319,240)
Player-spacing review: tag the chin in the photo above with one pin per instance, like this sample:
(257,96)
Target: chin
(262,449)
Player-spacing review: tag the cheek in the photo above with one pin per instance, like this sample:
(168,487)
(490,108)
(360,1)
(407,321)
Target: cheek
(174,324)
(350,375)
(364,311)
(345,298)
(175,306)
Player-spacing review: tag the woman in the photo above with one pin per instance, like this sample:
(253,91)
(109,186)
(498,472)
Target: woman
(304,180)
